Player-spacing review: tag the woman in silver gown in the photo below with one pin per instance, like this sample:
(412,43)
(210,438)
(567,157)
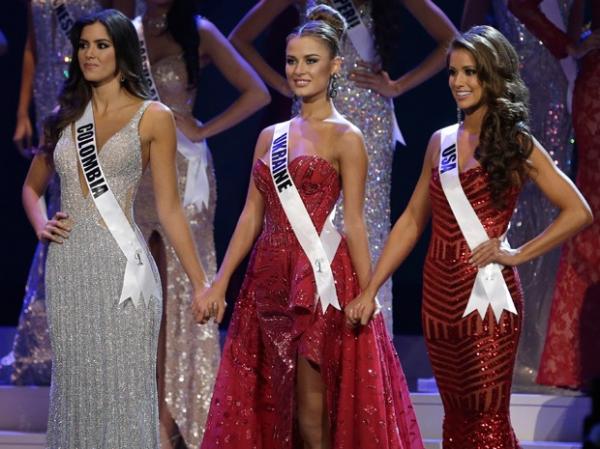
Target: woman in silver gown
(177,41)
(45,65)
(550,84)
(104,337)
(365,93)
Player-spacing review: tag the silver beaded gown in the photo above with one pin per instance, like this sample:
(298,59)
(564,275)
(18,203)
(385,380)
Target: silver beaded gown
(372,113)
(550,122)
(103,393)
(192,350)
(30,359)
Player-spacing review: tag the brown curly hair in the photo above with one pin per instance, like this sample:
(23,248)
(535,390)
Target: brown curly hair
(505,142)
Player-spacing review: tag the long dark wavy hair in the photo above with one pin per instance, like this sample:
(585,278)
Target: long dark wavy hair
(386,27)
(505,141)
(77,92)
(182,24)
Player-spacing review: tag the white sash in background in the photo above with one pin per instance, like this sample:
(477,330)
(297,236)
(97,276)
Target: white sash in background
(197,188)
(363,42)
(320,250)
(139,278)
(551,10)
(63,16)
(490,288)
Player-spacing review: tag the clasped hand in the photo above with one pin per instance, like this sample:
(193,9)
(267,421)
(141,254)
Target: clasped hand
(361,309)
(209,302)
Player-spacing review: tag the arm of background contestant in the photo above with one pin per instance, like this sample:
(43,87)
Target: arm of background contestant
(253,92)
(574,214)
(529,12)
(439,27)
(249,28)
(474,13)
(406,231)
(24,130)
(157,129)
(247,229)
(39,175)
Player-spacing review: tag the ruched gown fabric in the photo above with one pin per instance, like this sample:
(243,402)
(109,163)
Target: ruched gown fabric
(277,320)
(472,358)
(570,357)
(103,392)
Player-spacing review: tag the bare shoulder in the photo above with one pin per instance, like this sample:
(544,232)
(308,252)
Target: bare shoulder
(205,27)
(349,134)
(432,153)
(157,114)
(264,141)
(157,119)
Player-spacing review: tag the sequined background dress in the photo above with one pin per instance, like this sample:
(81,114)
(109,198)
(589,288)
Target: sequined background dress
(372,113)
(550,122)
(570,356)
(103,393)
(30,359)
(192,351)
(276,320)
(472,358)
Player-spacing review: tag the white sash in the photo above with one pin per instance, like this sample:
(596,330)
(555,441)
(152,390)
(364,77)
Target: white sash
(63,16)
(320,250)
(139,278)
(551,10)
(363,42)
(490,288)
(197,188)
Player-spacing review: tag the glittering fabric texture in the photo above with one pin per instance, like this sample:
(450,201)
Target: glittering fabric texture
(103,393)
(550,122)
(472,358)
(30,359)
(276,320)
(570,356)
(372,114)
(192,351)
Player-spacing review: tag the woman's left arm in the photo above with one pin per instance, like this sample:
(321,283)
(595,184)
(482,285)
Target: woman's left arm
(353,171)
(575,214)
(157,129)
(253,92)
(440,28)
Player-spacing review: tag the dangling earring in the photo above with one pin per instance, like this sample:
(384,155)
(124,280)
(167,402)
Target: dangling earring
(332,89)
(458,115)
(122,79)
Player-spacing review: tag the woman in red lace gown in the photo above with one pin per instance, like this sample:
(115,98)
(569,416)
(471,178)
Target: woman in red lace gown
(570,357)
(473,351)
(293,373)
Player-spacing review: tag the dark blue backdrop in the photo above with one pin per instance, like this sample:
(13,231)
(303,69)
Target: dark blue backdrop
(420,112)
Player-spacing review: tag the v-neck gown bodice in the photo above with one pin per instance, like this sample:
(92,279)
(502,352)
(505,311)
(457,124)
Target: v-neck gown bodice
(103,392)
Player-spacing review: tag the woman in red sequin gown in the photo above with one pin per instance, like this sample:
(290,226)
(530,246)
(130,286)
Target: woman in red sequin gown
(570,357)
(473,356)
(291,374)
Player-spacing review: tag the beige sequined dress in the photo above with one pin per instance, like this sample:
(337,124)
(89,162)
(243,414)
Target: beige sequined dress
(192,351)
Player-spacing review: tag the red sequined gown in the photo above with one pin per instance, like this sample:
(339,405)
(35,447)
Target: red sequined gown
(276,320)
(570,357)
(472,358)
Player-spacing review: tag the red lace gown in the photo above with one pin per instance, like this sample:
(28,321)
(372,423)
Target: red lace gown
(472,358)
(570,357)
(276,320)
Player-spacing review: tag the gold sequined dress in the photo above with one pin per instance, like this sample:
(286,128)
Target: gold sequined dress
(192,351)
(30,359)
